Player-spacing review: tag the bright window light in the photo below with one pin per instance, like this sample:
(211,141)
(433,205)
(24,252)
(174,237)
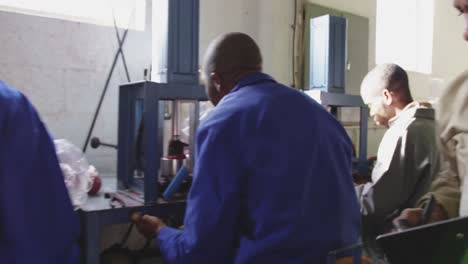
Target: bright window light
(405,33)
(127,13)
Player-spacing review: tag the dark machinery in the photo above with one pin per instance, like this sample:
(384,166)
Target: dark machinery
(328,36)
(143,165)
(153,144)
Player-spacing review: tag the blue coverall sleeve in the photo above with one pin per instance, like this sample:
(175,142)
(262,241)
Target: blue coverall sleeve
(37,222)
(212,215)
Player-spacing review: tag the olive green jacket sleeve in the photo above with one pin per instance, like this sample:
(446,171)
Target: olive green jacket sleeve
(452,119)
(445,188)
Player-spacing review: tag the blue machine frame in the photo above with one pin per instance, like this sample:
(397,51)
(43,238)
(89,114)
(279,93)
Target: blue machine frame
(182,76)
(151,94)
(328,53)
(336,100)
(183,84)
(183,41)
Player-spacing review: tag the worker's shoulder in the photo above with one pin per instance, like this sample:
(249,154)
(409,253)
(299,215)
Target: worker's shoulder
(9,93)
(460,82)
(423,117)
(453,96)
(221,116)
(281,97)
(423,125)
(10,98)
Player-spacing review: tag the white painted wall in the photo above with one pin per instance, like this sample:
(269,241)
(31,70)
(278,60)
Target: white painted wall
(267,21)
(449,50)
(62,67)
(448,43)
(365,8)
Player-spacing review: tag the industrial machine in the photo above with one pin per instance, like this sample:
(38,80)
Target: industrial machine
(151,150)
(335,101)
(145,166)
(328,36)
(156,131)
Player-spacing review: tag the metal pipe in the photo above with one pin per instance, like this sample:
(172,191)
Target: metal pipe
(175,183)
(175,118)
(96,143)
(106,86)
(124,61)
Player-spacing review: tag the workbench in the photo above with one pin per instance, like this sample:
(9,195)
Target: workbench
(97,213)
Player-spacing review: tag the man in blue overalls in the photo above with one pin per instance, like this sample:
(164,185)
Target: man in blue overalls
(272,180)
(37,222)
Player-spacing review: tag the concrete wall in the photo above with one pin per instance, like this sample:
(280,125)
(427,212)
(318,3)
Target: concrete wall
(62,67)
(365,8)
(448,49)
(267,21)
(449,46)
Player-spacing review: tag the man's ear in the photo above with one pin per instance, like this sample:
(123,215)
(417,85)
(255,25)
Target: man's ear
(387,97)
(216,81)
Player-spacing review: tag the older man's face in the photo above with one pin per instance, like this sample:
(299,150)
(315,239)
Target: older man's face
(462,6)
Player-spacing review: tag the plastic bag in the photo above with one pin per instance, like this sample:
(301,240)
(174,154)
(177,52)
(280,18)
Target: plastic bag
(76,171)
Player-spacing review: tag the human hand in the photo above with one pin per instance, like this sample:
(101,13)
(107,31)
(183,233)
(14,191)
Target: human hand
(414,216)
(147,225)
(409,217)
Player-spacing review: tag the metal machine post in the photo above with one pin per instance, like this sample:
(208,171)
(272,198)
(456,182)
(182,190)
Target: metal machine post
(182,84)
(327,75)
(141,125)
(152,94)
(336,100)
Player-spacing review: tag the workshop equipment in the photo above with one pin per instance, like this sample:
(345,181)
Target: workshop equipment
(144,172)
(327,54)
(334,101)
(144,128)
(328,36)
(181,175)
(145,165)
(96,143)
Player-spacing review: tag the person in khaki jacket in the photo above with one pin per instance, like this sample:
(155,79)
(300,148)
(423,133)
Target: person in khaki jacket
(452,119)
(449,188)
(453,142)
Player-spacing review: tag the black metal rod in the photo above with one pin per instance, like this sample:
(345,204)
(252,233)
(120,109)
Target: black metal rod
(109,145)
(106,85)
(96,143)
(124,61)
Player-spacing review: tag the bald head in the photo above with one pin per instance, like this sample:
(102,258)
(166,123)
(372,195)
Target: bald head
(389,77)
(232,53)
(228,58)
(386,90)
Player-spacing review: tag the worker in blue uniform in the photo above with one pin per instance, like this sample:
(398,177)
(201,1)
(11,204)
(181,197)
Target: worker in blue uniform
(37,222)
(272,180)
